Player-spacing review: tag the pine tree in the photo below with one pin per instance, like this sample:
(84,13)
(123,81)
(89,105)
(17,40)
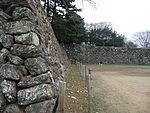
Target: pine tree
(67,24)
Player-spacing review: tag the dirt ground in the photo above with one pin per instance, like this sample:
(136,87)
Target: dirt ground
(121,88)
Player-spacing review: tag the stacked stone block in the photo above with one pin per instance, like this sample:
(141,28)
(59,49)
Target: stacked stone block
(108,55)
(30,59)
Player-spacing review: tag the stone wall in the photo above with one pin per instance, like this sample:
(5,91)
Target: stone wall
(108,55)
(31,61)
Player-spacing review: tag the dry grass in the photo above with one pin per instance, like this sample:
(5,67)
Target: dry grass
(76,93)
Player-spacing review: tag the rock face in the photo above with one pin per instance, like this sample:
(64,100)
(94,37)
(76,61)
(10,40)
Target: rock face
(31,59)
(34,94)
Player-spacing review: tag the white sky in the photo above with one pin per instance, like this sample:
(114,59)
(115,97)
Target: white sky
(127,16)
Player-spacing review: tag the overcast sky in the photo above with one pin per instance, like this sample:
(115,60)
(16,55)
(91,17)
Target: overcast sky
(127,16)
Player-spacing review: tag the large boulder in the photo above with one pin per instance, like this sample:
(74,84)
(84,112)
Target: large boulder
(9,90)
(3,15)
(36,65)
(7,41)
(34,94)
(2,100)
(13,108)
(19,27)
(23,13)
(9,71)
(25,51)
(1,46)
(3,19)
(3,55)
(15,60)
(28,39)
(42,107)
(21,69)
(43,78)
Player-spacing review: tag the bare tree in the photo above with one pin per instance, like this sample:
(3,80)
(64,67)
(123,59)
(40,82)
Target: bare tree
(130,44)
(142,39)
(92,2)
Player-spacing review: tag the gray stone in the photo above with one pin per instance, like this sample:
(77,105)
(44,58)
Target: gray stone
(36,65)
(2,25)
(1,46)
(23,13)
(25,51)
(8,71)
(15,60)
(13,108)
(42,107)
(3,19)
(34,94)
(19,27)
(2,101)
(108,55)
(43,78)
(2,35)
(4,15)
(9,90)
(21,69)
(1,32)
(3,55)
(7,41)
(27,39)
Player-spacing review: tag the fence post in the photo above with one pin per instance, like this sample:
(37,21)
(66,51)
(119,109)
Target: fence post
(61,99)
(90,108)
(85,73)
(81,69)
(77,64)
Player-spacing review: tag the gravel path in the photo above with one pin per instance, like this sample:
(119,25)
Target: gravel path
(121,89)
